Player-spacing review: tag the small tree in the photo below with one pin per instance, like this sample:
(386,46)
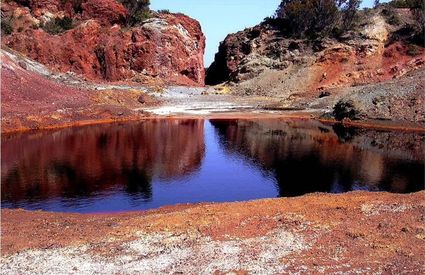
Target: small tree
(165,11)
(344,109)
(138,11)
(317,17)
(308,17)
(58,25)
(6,27)
(6,24)
(349,13)
(417,7)
(418,12)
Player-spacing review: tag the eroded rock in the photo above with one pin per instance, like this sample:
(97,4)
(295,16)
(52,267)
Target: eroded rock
(265,60)
(168,48)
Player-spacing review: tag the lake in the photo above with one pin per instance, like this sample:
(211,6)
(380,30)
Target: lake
(158,162)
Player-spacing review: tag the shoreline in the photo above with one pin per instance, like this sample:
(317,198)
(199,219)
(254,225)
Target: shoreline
(371,125)
(356,231)
(183,206)
(364,227)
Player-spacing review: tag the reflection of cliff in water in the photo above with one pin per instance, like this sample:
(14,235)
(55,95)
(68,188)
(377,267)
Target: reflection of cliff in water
(311,157)
(80,162)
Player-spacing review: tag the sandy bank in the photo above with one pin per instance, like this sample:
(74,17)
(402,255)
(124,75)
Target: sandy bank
(356,232)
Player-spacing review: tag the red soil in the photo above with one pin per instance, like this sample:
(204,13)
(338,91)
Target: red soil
(380,231)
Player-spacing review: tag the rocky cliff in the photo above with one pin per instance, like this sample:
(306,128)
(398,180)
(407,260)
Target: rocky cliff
(264,60)
(91,38)
(33,97)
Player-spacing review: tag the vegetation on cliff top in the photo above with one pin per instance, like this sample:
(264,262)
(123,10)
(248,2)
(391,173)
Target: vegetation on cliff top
(58,25)
(6,27)
(313,18)
(138,11)
(332,18)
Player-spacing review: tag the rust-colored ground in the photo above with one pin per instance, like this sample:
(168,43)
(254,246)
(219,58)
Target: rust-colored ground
(32,101)
(358,232)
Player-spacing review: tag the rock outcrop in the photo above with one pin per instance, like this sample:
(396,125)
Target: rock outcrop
(166,48)
(264,60)
(33,97)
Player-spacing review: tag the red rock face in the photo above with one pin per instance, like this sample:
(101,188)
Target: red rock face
(106,11)
(38,5)
(166,49)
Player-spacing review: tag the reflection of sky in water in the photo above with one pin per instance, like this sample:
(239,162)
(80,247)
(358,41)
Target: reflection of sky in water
(226,161)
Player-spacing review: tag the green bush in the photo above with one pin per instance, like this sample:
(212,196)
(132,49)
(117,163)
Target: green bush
(6,27)
(412,50)
(391,17)
(58,25)
(345,109)
(141,16)
(138,11)
(164,11)
(317,18)
(405,4)
(394,20)
(418,11)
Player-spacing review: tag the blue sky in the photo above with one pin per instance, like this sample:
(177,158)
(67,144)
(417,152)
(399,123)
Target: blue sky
(221,17)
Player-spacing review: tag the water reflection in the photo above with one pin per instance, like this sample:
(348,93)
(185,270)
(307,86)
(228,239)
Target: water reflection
(78,163)
(309,157)
(160,162)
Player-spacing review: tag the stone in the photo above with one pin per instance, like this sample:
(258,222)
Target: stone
(105,11)
(168,48)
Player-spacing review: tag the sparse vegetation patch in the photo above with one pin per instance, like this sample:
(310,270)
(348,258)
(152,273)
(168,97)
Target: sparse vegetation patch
(58,25)
(138,11)
(346,109)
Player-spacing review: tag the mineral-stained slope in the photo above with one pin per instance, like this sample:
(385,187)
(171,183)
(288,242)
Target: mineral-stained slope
(265,60)
(33,97)
(101,46)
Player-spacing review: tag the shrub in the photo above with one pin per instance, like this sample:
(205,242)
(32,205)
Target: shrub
(404,4)
(314,18)
(349,13)
(394,20)
(164,11)
(141,16)
(418,12)
(391,17)
(58,25)
(345,109)
(6,27)
(138,11)
(308,17)
(412,50)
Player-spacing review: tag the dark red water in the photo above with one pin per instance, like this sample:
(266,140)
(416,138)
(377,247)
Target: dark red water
(153,163)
